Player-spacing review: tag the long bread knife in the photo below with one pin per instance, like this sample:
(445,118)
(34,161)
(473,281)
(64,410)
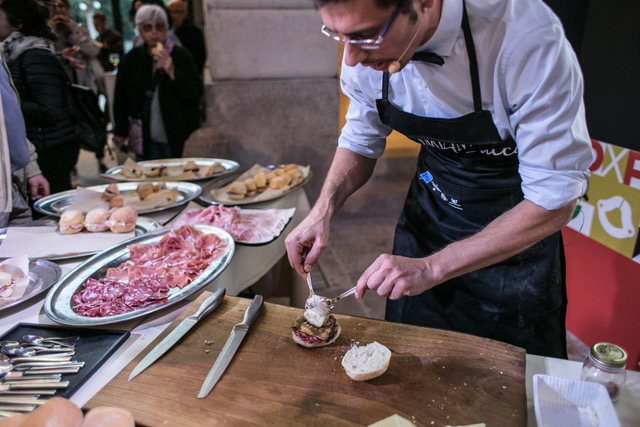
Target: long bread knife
(238,333)
(207,307)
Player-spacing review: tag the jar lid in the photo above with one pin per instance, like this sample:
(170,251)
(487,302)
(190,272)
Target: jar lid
(609,355)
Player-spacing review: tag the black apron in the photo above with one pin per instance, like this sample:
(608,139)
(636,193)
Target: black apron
(466,177)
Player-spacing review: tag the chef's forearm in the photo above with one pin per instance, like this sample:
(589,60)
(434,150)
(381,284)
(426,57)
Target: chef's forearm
(348,172)
(509,234)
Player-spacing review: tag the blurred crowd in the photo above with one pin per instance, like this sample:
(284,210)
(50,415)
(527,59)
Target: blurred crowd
(46,54)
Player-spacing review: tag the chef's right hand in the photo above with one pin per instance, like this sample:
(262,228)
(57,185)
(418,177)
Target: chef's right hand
(310,236)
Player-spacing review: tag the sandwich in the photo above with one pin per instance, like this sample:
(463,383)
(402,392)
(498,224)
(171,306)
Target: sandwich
(261,181)
(278,182)
(6,284)
(308,335)
(237,190)
(96,220)
(110,192)
(144,189)
(116,202)
(71,221)
(251,186)
(123,220)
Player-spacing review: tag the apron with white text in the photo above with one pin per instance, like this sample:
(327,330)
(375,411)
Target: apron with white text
(467,176)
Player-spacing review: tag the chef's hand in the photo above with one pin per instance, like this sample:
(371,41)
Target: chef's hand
(396,277)
(38,187)
(312,235)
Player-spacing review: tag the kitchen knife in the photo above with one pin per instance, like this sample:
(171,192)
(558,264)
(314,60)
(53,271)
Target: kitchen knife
(238,333)
(208,306)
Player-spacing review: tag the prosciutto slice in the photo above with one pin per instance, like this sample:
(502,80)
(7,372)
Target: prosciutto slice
(175,260)
(243,224)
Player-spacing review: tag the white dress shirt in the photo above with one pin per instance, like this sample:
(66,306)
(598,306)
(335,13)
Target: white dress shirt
(530,81)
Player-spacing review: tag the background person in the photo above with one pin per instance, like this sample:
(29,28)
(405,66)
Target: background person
(190,35)
(495,100)
(110,40)
(170,114)
(42,85)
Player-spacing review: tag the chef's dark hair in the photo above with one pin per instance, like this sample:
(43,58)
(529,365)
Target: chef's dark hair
(382,4)
(31,16)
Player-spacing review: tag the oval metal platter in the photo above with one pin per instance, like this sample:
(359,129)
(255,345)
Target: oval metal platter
(55,204)
(115,173)
(57,305)
(42,275)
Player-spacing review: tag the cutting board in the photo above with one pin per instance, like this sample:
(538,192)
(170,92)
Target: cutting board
(435,377)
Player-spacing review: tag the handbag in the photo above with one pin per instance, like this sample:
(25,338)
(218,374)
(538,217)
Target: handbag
(135,135)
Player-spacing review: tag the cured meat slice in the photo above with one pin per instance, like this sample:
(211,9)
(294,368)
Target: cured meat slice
(175,260)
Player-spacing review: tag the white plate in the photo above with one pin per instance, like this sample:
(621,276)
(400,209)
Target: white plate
(57,305)
(561,402)
(42,275)
(55,204)
(115,173)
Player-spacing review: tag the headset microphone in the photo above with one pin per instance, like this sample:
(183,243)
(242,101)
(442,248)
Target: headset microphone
(395,66)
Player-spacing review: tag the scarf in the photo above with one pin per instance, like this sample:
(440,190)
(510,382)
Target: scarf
(17,43)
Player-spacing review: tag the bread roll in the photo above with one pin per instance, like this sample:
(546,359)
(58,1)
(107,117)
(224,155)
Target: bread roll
(110,192)
(237,190)
(55,412)
(290,167)
(366,362)
(190,166)
(277,182)
(71,221)
(278,171)
(116,202)
(270,176)
(296,175)
(251,186)
(169,196)
(123,220)
(261,181)
(104,416)
(96,220)
(152,172)
(144,189)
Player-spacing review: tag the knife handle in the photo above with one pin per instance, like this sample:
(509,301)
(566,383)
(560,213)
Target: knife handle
(253,311)
(210,304)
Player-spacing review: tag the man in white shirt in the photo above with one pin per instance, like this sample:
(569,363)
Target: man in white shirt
(494,97)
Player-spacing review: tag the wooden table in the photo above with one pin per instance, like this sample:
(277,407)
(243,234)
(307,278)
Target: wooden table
(435,377)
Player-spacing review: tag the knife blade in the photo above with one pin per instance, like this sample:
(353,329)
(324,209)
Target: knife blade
(207,307)
(238,333)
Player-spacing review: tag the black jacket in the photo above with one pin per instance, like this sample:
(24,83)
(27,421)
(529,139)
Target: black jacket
(43,88)
(193,40)
(179,98)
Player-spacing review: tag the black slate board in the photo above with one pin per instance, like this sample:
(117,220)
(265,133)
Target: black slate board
(94,347)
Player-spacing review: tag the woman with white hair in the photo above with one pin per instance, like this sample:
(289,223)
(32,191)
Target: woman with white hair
(157,92)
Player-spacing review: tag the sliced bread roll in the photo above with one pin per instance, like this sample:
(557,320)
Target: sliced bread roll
(366,362)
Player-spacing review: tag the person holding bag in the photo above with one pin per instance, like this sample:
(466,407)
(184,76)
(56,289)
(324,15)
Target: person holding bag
(43,87)
(157,92)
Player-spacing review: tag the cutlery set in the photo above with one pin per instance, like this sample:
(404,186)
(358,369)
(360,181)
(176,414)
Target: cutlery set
(31,371)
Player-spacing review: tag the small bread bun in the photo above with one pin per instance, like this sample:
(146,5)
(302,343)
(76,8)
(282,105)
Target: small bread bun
(133,199)
(277,182)
(278,171)
(261,181)
(290,166)
(71,221)
(116,202)
(152,172)
(104,416)
(110,192)
(237,190)
(123,220)
(190,165)
(144,189)
(169,195)
(251,186)
(366,362)
(96,220)
(270,176)
(56,411)
(296,176)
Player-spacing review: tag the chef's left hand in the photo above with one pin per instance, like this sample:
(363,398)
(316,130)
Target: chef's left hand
(165,62)
(396,277)
(38,187)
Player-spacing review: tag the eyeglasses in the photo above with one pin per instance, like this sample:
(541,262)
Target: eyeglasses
(363,43)
(159,26)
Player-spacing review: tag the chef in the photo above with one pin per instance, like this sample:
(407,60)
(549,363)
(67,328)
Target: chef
(492,92)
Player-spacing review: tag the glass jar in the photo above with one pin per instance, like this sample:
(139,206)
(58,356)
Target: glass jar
(606,365)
